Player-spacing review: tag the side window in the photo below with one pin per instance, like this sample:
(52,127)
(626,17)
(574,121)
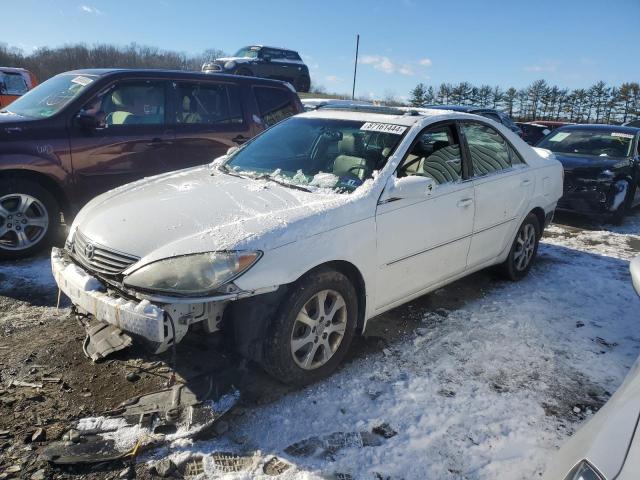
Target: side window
(208,104)
(435,154)
(274,104)
(490,152)
(130,103)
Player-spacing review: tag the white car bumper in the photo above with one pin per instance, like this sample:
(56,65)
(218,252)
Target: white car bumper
(89,295)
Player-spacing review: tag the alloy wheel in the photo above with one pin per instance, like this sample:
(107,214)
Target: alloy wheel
(525,246)
(23,221)
(319,329)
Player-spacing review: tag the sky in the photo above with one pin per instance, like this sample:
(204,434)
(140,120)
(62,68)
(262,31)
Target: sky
(571,43)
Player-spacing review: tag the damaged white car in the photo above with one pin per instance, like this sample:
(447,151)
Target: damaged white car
(294,241)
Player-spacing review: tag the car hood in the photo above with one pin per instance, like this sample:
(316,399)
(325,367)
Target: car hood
(199,210)
(585,162)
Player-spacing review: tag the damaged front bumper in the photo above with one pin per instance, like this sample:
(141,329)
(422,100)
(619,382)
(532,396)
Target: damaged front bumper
(159,323)
(597,198)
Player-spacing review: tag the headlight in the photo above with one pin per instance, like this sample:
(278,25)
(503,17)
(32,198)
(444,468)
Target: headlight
(584,471)
(192,275)
(230,64)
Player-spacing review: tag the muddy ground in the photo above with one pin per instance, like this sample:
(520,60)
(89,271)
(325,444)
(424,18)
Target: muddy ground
(46,381)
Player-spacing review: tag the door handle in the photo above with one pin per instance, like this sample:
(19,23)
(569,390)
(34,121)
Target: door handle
(239,139)
(525,182)
(465,202)
(159,142)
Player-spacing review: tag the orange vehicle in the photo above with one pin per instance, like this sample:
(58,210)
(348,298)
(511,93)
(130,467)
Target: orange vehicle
(14,82)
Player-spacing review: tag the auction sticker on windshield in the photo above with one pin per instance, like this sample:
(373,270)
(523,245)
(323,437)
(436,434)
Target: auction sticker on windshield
(84,81)
(620,134)
(383,127)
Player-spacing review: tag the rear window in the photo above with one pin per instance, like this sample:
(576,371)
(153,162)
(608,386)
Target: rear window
(12,84)
(274,104)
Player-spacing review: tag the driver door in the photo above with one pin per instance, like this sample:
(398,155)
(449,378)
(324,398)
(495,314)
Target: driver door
(424,241)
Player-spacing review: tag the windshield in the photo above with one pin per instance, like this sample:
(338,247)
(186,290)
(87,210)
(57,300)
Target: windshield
(51,96)
(596,143)
(318,153)
(247,52)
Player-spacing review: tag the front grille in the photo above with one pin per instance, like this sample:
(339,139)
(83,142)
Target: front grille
(99,258)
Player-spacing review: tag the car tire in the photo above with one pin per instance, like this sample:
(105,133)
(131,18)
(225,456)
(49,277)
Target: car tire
(306,342)
(302,84)
(617,218)
(523,249)
(29,215)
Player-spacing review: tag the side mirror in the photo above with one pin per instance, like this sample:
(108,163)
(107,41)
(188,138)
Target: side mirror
(414,186)
(86,121)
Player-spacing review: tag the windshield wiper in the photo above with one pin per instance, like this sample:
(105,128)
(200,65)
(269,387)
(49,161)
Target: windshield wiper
(266,176)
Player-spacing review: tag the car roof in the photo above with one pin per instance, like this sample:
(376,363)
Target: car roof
(268,46)
(376,114)
(600,127)
(460,108)
(186,74)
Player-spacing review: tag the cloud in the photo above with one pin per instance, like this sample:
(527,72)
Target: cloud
(333,79)
(384,64)
(311,63)
(90,10)
(546,66)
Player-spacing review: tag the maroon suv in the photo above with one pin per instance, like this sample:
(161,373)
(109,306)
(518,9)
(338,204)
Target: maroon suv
(84,132)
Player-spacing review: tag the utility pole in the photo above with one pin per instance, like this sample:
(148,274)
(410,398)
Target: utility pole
(355,68)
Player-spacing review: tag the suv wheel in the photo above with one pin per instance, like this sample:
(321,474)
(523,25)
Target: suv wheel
(302,84)
(524,249)
(313,328)
(29,218)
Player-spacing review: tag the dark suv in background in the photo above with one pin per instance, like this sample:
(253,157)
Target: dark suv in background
(267,62)
(491,113)
(84,132)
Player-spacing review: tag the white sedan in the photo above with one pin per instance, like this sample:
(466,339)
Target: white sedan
(608,446)
(293,242)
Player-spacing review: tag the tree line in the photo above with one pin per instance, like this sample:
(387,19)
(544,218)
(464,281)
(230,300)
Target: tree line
(599,103)
(46,62)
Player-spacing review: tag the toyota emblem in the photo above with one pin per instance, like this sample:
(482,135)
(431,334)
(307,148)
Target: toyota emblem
(88,251)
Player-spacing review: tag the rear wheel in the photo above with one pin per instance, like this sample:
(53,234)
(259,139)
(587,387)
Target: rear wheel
(523,250)
(29,218)
(313,328)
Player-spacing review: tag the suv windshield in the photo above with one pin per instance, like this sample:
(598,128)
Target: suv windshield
(247,52)
(51,96)
(589,142)
(318,153)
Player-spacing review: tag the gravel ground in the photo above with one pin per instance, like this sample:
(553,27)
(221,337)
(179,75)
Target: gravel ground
(423,350)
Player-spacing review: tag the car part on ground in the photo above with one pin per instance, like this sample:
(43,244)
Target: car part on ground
(103,339)
(601,168)
(299,251)
(266,62)
(146,422)
(82,133)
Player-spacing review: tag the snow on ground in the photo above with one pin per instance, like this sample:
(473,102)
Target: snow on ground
(483,392)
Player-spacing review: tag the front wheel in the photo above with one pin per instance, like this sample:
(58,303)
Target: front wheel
(523,250)
(313,328)
(29,218)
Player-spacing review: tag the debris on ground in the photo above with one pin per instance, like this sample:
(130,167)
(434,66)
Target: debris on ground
(144,422)
(103,339)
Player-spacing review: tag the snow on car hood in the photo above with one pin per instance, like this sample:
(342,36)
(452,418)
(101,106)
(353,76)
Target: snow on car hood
(195,210)
(224,60)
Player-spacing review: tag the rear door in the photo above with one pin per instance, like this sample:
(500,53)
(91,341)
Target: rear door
(503,184)
(132,140)
(209,118)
